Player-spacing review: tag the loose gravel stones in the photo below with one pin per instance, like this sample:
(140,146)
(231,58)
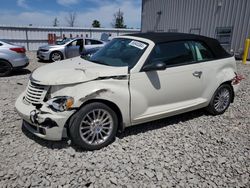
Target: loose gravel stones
(189,150)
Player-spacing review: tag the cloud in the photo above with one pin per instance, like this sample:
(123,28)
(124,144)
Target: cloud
(22,3)
(67,2)
(103,13)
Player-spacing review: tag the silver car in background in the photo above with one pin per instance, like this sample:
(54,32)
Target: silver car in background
(67,48)
(12,56)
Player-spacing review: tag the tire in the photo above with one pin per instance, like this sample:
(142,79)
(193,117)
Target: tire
(220,100)
(56,56)
(94,127)
(5,68)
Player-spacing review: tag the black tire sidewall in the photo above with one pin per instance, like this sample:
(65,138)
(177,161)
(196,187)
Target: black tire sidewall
(75,126)
(8,71)
(211,107)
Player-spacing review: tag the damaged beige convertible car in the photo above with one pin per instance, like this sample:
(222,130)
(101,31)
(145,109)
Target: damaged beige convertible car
(134,79)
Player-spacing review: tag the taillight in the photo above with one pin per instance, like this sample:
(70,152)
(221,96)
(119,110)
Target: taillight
(237,79)
(18,50)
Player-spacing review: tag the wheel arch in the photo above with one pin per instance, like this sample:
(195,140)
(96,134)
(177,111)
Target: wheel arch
(229,83)
(58,51)
(9,70)
(110,104)
(1,59)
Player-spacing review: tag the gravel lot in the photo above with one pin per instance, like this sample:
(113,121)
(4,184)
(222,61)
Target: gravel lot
(189,150)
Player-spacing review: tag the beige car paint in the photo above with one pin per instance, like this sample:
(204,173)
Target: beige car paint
(154,94)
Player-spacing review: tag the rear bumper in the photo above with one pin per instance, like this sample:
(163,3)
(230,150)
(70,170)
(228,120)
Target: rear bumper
(19,62)
(23,66)
(43,123)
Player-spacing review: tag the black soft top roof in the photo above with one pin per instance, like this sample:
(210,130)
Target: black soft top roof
(157,38)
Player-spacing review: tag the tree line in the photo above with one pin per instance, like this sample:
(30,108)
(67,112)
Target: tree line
(118,20)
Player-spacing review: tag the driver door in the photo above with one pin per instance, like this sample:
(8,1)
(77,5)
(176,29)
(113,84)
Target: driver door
(159,93)
(73,48)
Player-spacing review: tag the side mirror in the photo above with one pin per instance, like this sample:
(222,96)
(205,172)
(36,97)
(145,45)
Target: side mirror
(154,66)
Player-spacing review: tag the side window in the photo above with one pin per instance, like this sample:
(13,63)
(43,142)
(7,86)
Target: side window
(1,44)
(79,42)
(202,52)
(95,42)
(172,53)
(73,43)
(87,42)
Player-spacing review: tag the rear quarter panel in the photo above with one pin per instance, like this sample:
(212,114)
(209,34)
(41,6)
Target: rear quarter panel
(217,72)
(15,59)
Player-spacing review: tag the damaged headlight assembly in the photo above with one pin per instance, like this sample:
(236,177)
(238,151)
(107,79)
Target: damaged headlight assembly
(61,103)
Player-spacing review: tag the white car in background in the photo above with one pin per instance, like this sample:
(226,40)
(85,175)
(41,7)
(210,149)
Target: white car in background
(133,79)
(67,48)
(12,57)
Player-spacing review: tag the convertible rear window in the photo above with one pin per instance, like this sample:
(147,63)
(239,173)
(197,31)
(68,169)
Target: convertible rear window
(180,53)
(202,52)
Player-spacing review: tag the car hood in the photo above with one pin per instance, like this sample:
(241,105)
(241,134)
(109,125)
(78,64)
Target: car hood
(75,70)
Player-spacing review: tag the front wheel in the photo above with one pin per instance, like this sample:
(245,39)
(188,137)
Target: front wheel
(94,127)
(220,100)
(56,56)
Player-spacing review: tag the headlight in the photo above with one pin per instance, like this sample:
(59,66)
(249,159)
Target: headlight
(61,103)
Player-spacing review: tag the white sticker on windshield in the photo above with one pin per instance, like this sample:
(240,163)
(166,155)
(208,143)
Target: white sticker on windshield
(137,44)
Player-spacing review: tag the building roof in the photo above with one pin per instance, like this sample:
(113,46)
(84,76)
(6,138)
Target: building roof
(157,38)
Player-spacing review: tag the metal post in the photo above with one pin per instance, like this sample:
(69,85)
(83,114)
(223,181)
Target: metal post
(27,38)
(246,50)
(61,33)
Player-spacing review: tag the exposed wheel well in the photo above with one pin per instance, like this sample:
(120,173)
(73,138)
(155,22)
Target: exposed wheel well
(110,104)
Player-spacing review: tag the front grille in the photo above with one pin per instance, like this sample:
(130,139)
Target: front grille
(35,93)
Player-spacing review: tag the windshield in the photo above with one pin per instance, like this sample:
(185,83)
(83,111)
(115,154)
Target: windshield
(120,52)
(63,41)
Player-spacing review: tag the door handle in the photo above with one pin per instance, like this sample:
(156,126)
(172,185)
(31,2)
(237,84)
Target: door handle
(197,74)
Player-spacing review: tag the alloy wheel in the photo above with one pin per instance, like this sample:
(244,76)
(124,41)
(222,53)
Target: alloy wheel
(56,56)
(96,126)
(222,100)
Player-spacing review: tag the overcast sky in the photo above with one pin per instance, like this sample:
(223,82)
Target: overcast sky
(43,12)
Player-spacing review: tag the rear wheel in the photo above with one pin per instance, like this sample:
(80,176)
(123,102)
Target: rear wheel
(94,127)
(56,56)
(5,68)
(221,100)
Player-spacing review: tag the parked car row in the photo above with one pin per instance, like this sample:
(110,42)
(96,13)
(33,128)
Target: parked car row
(131,80)
(67,48)
(12,57)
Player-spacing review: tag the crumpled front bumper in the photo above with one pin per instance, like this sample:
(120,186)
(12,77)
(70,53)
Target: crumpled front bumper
(43,122)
